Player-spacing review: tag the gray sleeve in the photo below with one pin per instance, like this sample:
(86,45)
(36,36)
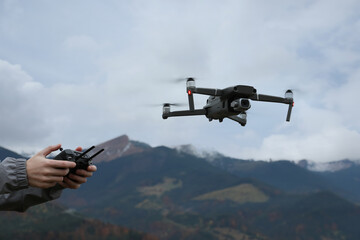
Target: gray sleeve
(13,175)
(15,192)
(23,199)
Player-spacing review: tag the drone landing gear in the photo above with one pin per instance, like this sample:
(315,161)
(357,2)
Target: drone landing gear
(240,120)
(220,120)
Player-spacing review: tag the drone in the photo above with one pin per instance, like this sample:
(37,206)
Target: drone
(231,102)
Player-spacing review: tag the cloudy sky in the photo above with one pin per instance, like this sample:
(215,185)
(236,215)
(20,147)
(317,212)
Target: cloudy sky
(83,72)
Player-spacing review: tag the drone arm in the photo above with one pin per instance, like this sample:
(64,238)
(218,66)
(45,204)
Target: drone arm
(184,113)
(208,91)
(268,98)
(289,112)
(191,101)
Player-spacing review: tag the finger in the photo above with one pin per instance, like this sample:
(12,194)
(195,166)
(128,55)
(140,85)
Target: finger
(77,178)
(79,149)
(44,185)
(60,164)
(64,184)
(71,184)
(53,179)
(60,172)
(49,149)
(48,185)
(92,168)
(83,173)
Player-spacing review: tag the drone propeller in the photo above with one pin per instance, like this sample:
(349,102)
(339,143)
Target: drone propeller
(168,104)
(174,104)
(180,80)
(299,91)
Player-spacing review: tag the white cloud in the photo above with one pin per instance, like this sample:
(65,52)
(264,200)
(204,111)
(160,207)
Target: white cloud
(343,100)
(94,78)
(81,42)
(330,145)
(23,118)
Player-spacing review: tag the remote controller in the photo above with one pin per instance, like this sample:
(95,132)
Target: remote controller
(81,159)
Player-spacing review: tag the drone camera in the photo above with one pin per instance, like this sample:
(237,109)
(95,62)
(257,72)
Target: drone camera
(241,104)
(245,103)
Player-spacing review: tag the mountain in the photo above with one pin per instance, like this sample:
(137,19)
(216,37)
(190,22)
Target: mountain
(180,194)
(343,176)
(340,177)
(284,175)
(292,178)
(322,215)
(348,180)
(4,153)
(156,190)
(175,195)
(54,221)
(51,221)
(118,147)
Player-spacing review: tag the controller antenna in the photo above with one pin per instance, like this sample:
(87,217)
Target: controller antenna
(81,155)
(96,154)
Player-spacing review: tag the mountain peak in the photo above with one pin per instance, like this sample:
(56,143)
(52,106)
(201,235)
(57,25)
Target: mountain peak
(119,147)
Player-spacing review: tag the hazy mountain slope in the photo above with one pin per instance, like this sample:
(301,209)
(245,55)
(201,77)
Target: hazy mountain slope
(192,175)
(290,177)
(347,179)
(283,175)
(179,196)
(142,190)
(7,153)
(175,195)
(321,215)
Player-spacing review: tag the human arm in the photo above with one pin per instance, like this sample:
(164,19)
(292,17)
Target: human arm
(23,199)
(13,175)
(38,171)
(27,183)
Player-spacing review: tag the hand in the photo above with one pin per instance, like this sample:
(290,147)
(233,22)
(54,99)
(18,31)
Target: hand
(74,181)
(45,173)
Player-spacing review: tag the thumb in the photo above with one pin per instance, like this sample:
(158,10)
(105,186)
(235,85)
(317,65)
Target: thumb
(49,149)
